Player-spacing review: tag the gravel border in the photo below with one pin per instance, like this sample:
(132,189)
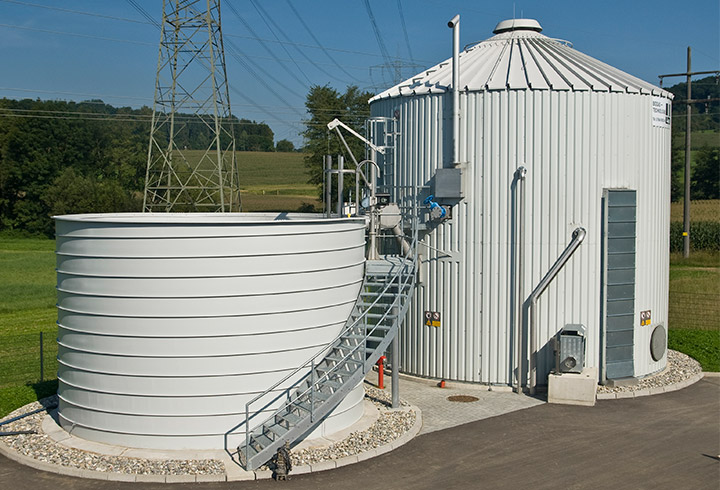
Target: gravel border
(681,371)
(392,429)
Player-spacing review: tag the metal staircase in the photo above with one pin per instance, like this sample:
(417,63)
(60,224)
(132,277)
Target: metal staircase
(324,380)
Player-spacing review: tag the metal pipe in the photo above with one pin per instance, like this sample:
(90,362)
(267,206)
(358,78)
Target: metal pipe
(372,233)
(381,372)
(688,132)
(395,374)
(454,24)
(328,184)
(520,174)
(341,182)
(577,238)
(405,246)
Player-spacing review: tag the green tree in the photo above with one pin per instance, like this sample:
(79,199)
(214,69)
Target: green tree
(284,146)
(323,105)
(705,183)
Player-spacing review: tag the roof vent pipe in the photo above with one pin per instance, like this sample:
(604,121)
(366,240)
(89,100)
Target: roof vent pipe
(454,24)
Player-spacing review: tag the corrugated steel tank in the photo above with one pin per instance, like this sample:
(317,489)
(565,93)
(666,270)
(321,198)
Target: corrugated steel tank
(169,323)
(579,126)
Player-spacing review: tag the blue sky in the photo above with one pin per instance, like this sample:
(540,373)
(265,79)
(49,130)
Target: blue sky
(81,49)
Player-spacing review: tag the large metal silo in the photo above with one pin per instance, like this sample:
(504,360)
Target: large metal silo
(593,140)
(168,324)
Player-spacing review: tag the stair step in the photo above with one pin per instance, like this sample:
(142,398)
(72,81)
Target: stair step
(362,337)
(291,418)
(340,359)
(337,369)
(276,429)
(381,315)
(261,440)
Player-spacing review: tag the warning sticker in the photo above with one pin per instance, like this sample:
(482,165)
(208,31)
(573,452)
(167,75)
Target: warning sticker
(645,318)
(432,318)
(661,112)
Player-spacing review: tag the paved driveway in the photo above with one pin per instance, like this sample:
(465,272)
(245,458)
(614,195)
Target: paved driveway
(669,441)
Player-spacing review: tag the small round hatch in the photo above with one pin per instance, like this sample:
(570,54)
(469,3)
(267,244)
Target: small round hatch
(462,398)
(658,343)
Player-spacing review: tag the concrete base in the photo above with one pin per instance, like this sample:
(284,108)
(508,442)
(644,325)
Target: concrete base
(573,389)
(622,382)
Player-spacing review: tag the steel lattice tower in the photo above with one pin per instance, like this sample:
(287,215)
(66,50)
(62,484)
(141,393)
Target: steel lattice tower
(191,105)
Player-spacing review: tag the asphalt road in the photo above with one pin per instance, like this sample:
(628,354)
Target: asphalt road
(669,441)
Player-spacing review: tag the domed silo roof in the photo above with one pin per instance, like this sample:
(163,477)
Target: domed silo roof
(519,57)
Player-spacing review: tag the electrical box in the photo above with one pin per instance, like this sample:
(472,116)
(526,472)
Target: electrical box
(448,183)
(570,349)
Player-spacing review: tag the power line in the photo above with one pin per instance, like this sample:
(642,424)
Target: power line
(376,30)
(70,11)
(264,45)
(404,28)
(87,36)
(312,34)
(144,13)
(265,17)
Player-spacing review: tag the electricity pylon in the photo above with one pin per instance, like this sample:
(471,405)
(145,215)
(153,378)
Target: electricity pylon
(191,156)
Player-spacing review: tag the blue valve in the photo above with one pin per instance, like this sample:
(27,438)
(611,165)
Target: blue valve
(436,211)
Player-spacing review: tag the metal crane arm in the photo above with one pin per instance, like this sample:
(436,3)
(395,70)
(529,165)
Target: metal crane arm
(336,122)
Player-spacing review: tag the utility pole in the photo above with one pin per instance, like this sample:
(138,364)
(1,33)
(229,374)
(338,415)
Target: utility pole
(688,139)
(191,103)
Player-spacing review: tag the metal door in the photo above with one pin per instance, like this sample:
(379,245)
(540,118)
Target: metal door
(619,223)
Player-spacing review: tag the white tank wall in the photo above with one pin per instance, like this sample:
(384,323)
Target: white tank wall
(169,324)
(573,144)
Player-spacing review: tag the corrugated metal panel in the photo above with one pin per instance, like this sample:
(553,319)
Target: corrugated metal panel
(574,145)
(168,324)
(523,60)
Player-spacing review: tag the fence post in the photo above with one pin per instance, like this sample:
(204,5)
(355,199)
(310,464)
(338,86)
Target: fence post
(42,359)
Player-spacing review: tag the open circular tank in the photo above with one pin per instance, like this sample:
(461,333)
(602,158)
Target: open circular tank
(168,324)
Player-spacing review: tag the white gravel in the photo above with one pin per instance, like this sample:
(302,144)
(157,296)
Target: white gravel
(390,425)
(679,368)
(42,448)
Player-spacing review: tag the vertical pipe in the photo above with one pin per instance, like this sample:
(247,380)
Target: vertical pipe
(686,200)
(396,371)
(520,174)
(341,166)
(328,185)
(42,359)
(454,24)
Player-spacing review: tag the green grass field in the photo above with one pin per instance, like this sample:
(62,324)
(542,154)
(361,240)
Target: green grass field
(699,139)
(27,286)
(271,181)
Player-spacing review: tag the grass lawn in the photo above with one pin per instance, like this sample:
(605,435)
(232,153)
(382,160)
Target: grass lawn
(27,286)
(271,181)
(694,313)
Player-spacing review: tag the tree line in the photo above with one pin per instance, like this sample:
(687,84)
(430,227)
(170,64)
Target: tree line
(60,157)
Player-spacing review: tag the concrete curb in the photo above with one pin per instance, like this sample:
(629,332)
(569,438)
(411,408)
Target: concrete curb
(245,475)
(655,390)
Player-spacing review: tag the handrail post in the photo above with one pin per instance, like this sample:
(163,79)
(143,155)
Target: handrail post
(247,435)
(577,238)
(312,391)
